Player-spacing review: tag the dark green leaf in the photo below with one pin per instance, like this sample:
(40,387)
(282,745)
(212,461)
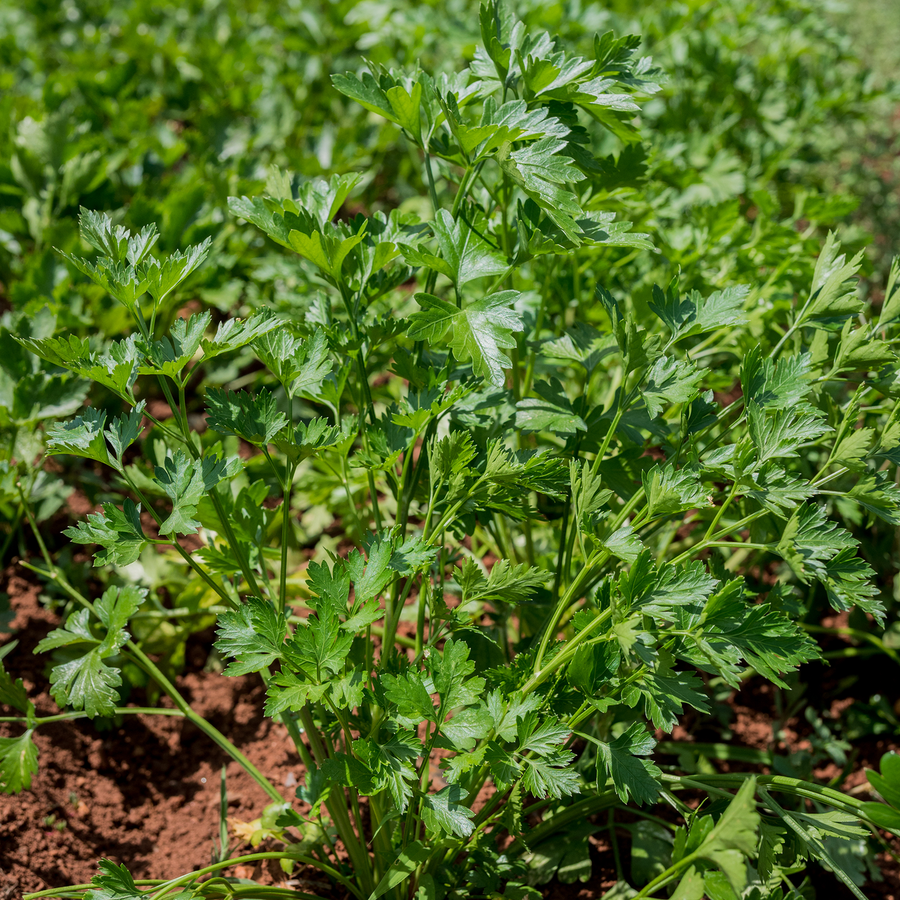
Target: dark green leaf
(444,812)
(118,532)
(253,417)
(253,635)
(113,883)
(632,776)
(18,762)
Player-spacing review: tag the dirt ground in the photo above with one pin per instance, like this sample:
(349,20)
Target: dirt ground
(146,793)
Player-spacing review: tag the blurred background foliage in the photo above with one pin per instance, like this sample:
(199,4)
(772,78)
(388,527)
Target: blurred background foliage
(771,129)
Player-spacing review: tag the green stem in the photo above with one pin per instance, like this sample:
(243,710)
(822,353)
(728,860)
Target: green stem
(798,321)
(69,716)
(182,409)
(810,841)
(13,529)
(614,843)
(420,619)
(252,891)
(78,888)
(572,593)
(577,811)
(703,545)
(564,656)
(561,551)
(55,574)
(781,783)
(168,886)
(337,808)
(34,528)
(285,537)
(400,639)
(432,189)
(858,635)
(392,614)
(206,727)
(607,438)
(719,513)
(230,536)
(173,542)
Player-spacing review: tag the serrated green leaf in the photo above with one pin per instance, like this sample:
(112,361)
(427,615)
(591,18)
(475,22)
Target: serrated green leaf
(670,381)
(890,307)
(404,864)
(670,490)
(163,276)
(550,775)
(232,334)
(777,491)
(320,647)
(444,813)
(853,448)
(541,169)
(253,417)
(301,366)
(13,693)
(809,538)
(467,727)
(775,384)
(466,254)
(116,368)
(592,666)
(632,776)
(291,691)
(879,495)
(367,92)
(123,282)
(734,837)
(451,672)
(550,411)
(349,772)
(692,314)
(666,691)
(85,681)
(623,543)
(411,556)
(172,353)
(779,433)
(481,332)
(110,240)
(506,582)
(391,763)
(18,762)
(118,532)
(848,582)
(82,436)
(123,431)
(369,583)
(113,883)
(410,695)
(833,294)
(765,637)
(252,635)
(186,480)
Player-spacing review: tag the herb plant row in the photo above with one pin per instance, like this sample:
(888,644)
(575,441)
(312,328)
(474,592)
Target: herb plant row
(564,535)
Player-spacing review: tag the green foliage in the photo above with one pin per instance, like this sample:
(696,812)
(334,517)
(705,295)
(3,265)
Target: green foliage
(84,679)
(485,484)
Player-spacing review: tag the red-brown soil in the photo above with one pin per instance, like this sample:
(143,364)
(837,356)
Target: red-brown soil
(146,793)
